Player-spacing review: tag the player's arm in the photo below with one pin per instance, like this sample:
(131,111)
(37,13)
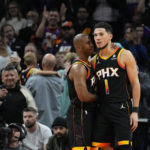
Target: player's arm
(78,74)
(131,68)
(132,73)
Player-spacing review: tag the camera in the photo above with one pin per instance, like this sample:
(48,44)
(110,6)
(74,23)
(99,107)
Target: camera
(6,131)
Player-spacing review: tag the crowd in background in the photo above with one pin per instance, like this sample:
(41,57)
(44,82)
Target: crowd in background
(36,36)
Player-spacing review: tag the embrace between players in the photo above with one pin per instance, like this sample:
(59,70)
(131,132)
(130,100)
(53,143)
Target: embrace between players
(99,116)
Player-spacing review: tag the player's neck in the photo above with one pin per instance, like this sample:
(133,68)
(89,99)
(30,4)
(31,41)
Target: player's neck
(106,51)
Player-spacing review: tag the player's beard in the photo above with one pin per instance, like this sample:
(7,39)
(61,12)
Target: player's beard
(101,48)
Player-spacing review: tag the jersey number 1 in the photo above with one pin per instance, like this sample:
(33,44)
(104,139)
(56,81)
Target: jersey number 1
(106,86)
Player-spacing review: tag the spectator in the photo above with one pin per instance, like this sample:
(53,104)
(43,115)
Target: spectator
(31,47)
(15,44)
(27,34)
(47,91)
(13,16)
(50,32)
(143,36)
(37,133)
(60,138)
(65,44)
(30,60)
(127,40)
(16,97)
(138,49)
(5,52)
(83,24)
(60,60)
(133,40)
(15,137)
(65,101)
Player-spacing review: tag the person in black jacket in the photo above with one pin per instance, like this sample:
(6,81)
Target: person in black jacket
(60,139)
(13,97)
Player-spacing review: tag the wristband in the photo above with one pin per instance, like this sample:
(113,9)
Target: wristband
(135,109)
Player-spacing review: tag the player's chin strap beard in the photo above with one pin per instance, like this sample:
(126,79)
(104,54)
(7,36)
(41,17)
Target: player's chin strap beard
(103,47)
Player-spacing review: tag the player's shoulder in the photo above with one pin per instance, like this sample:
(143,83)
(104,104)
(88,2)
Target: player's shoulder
(126,56)
(77,66)
(126,53)
(78,70)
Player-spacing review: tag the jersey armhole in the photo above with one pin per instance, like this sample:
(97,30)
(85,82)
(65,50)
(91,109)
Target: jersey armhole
(94,64)
(88,74)
(118,59)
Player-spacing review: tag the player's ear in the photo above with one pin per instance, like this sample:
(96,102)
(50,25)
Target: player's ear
(80,47)
(111,36)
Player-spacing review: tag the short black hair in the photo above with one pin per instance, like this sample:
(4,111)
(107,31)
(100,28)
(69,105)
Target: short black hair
(104,25)
(9,67)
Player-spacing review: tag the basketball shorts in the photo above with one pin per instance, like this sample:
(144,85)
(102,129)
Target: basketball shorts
(112,125)
(80,124)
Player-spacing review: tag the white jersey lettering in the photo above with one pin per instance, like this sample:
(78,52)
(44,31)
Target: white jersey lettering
(92,81)
(107,72)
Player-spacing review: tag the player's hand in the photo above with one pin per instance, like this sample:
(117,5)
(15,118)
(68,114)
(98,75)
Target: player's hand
(133,121)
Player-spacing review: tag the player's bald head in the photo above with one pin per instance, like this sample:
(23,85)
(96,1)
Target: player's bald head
(78,40)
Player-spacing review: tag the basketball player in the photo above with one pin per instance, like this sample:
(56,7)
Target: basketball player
(113,66)
(81,82)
